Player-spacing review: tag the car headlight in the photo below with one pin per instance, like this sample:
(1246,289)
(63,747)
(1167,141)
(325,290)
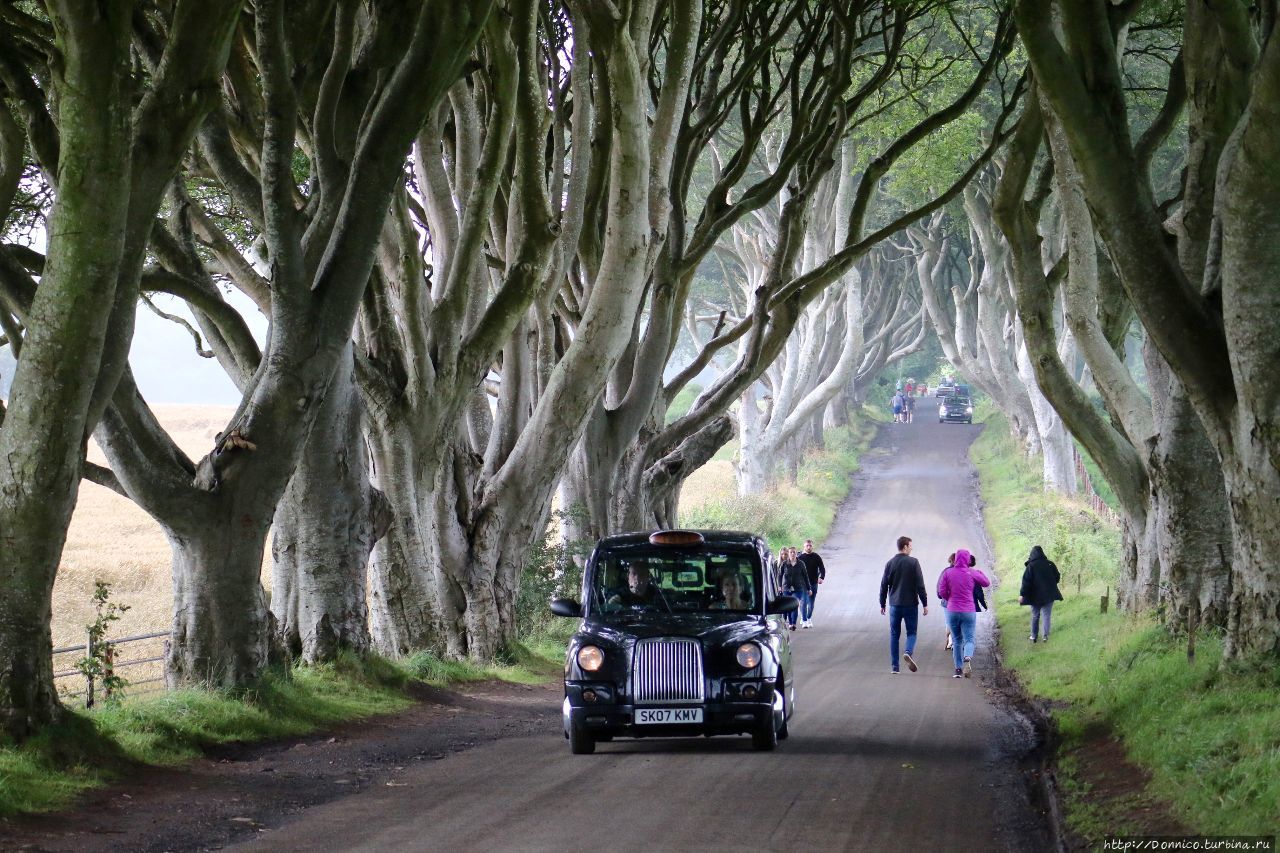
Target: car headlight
(942,411)
(590,658)
(748,656)
(968,410)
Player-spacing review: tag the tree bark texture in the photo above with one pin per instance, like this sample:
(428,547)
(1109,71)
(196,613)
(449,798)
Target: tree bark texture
(326,524)
(45,425)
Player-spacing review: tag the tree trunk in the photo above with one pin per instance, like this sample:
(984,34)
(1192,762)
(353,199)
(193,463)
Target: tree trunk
(221,637)
(325,526)
(403,614)
(477,551)
(1139,586)
(47,420)
(1193,525)
(1253,493)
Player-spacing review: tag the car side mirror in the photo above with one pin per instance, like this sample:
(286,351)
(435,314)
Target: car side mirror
(565,607)
(783,604)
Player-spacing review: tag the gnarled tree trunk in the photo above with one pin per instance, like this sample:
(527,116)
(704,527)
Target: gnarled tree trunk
(325,526)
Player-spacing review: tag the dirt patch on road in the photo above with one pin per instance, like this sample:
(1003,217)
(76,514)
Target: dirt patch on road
(240,789)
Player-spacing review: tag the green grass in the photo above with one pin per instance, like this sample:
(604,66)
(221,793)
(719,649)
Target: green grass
(794,512)
(90,748)
(1209,736)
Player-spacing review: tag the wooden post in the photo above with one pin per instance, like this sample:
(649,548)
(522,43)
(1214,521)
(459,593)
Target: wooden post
(88,653)
(108,668)
(1103,603)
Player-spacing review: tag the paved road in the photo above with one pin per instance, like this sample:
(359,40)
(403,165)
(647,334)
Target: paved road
(917,761)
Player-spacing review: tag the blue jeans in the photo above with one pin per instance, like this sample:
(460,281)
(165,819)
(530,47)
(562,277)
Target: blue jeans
(899,613)
(963,627)
(1038,613)
(803,595)
(813,596)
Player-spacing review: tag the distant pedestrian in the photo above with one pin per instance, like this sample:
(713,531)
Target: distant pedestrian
(908,409)
(896,405)
(795,581)
(901,587)
(817,574)
(1040,590)
(956,585)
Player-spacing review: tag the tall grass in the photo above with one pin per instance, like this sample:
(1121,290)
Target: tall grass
(791,512)
(1209,736)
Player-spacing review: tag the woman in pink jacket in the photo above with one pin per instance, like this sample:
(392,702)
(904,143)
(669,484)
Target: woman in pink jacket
(956,586)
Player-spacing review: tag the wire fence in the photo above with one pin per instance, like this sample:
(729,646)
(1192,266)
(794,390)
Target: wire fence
(1086,488)
(141,674)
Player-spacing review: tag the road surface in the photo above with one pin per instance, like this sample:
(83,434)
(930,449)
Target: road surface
(917,761)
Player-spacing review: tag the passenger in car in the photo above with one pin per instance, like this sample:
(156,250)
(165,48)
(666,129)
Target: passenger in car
(735,596)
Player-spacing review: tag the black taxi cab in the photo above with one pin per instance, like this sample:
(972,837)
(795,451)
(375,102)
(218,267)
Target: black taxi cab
(682,634)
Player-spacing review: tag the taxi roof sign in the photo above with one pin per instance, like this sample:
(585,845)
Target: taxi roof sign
(676,537)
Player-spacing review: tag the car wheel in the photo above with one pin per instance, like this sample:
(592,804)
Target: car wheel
(970,421)
(784,731)
(765,738)
(939,420)
(580,741)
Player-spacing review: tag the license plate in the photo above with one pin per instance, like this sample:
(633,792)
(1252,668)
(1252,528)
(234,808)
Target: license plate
(669,716)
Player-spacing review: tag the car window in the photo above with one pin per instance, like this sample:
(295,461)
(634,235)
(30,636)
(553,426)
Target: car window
(671,580)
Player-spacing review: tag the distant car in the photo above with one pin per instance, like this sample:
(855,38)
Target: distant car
(955,409)
(961,391)
(662,651)
(942,391)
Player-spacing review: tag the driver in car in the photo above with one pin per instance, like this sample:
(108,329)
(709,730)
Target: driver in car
(640,588)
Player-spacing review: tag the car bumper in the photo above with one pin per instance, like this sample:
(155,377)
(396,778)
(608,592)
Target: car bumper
(958,418)
(718,718)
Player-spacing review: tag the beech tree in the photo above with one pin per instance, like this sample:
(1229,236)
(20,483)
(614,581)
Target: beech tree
(632,449)
(106,135)
(344,90)
(1196,283)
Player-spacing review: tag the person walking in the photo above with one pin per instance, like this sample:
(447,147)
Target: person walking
(956,585)
(817,574)
(1040,590)
(901,587)
(942,602)
(795,581)
(897,407)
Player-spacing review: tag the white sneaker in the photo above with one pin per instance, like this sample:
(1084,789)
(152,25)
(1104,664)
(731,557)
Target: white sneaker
(805,625)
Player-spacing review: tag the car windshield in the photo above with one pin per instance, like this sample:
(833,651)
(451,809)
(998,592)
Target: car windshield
(670,580)
(958,402)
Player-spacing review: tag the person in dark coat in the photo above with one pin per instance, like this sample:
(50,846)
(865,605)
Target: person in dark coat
(1040,590)
(795,581)
(900,589)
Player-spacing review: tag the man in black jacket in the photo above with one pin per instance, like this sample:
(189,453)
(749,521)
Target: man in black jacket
(817,574)
(902,585)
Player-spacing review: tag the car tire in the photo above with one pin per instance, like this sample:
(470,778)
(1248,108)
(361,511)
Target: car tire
(580,741)
(765,738)
(970,421)
(939,420)
(784,731)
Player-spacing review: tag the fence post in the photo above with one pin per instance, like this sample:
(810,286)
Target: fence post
(88,676)
(108,668)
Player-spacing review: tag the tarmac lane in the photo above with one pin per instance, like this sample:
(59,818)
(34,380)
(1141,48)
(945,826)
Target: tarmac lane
(875,761)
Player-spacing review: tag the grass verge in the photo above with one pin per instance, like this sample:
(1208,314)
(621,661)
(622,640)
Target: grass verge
(90,748)
(792,512)
(1209,736)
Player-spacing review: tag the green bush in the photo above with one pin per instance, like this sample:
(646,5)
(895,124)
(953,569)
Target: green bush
(552,570)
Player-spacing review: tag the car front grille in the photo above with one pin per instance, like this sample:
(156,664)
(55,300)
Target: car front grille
(667,670)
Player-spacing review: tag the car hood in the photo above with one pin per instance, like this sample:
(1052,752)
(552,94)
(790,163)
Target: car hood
(711,628)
